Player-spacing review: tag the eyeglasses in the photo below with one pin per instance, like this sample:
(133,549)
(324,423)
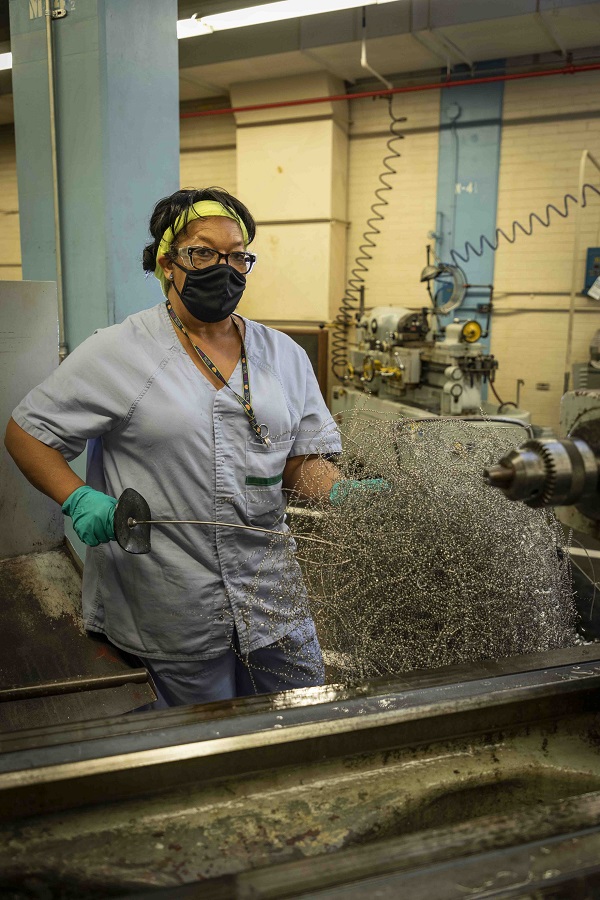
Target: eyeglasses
(201,257)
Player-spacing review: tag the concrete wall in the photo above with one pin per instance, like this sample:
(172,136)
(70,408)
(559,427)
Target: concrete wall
(292,172)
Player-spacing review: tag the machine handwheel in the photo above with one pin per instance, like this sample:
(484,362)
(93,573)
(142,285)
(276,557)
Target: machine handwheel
(471,331)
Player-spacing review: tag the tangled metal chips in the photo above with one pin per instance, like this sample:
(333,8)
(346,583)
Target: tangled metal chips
(436,568)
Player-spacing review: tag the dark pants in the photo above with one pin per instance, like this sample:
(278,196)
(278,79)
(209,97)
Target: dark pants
(294,661)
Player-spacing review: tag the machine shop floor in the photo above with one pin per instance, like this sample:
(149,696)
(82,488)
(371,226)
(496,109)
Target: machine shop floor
(51,670)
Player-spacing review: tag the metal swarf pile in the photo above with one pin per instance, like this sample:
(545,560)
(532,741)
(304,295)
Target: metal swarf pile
(431,567)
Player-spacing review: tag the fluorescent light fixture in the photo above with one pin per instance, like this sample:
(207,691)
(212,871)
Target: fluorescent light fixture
(269,12)
(5,61)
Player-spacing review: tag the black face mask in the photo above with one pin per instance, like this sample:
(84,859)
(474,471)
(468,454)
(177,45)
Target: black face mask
(211,294)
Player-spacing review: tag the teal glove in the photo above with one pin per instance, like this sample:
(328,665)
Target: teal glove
(342,489)
(93,515)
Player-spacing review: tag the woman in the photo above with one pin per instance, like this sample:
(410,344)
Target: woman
(210,416)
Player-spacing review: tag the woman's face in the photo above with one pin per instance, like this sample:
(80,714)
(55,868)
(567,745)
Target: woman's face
(216,232)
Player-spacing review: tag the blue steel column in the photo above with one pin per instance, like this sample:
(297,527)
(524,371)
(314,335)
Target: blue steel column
(117,121)
(117,124)
(469,161)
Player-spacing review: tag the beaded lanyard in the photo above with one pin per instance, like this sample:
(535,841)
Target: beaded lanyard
(261,431)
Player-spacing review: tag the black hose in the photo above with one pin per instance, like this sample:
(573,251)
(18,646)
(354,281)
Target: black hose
(525,229)
(493,389)
(339,343)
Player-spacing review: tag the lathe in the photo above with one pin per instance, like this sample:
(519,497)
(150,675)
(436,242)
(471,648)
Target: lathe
(477,780)
(399,366)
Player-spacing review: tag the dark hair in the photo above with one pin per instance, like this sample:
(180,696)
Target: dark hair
(167,211)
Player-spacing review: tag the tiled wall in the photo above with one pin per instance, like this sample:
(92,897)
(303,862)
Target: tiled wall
(399,256)
(547,123)
(10,261)
(208,152)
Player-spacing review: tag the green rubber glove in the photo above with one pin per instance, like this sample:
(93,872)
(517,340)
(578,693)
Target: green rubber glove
(93,515)
(342,489)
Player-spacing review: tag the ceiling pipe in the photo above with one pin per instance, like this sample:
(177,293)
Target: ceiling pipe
(385,92)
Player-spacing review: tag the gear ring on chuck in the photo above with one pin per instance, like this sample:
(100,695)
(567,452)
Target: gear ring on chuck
(545,452)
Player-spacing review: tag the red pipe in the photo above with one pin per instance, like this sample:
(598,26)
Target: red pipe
(566,70)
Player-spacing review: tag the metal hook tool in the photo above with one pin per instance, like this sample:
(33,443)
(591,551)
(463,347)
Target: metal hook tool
(133,521)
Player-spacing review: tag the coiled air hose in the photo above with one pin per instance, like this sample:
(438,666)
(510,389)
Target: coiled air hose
(527,230)
(356,282)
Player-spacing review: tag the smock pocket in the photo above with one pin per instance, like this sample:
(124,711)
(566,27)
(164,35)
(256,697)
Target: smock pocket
(265,501)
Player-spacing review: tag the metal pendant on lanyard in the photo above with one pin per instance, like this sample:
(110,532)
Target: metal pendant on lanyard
(261,431)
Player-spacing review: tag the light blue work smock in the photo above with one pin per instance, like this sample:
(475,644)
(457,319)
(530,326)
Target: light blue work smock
(156,424)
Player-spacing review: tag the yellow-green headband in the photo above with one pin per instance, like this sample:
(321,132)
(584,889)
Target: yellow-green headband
(201,210)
